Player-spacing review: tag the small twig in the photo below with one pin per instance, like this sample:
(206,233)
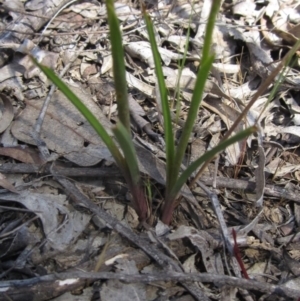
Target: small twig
(222,182)
(217,208)
(219,280)
(19,227)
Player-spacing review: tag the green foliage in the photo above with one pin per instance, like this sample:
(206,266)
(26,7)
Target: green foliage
(118,65)
(127,161)
(175,156)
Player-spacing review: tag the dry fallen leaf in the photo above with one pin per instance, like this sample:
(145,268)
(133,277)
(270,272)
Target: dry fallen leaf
(6,184)
(23,154)
(50,208)
(203,242)
(64,129)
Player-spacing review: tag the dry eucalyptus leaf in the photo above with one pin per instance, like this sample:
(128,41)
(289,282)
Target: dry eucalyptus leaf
(126,215)
(64,129)
(132,81)
(226,68)
(126,12)
(13,5)
(228,115)
(203,19)
(272,8)
(178,41)
(294,130)
(271,38)
(281,168)
(258,269)
(34,5)
(189,264)
(23,154)
(107,63)
(245,8)
(228,293)
(142,51)
(293,283)
(15,86)
(295,31)
(182,12)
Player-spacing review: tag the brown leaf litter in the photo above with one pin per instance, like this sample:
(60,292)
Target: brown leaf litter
(66,229)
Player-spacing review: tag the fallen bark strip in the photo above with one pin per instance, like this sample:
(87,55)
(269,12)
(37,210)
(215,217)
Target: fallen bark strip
(62,279)
(270,190)
(10,168)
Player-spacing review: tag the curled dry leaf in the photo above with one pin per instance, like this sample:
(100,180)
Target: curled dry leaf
(280,168)
(203,242)
(49,209)
(228,115)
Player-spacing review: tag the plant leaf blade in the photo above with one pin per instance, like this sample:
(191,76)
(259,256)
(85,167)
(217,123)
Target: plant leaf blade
(169,137)
(208,155)
(118,65)
(85,112)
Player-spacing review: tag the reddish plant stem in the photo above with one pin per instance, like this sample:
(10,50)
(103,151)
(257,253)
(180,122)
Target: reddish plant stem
(238,256)
(167,212)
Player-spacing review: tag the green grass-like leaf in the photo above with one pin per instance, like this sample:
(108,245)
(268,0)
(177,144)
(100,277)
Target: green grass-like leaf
(122,130)
(127,147)
(174,156)
(169,206)
(118,65)
(100,130)
(127,161)
(169,137)
(128,165)
(193,111)
(208,155)
(203,72)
